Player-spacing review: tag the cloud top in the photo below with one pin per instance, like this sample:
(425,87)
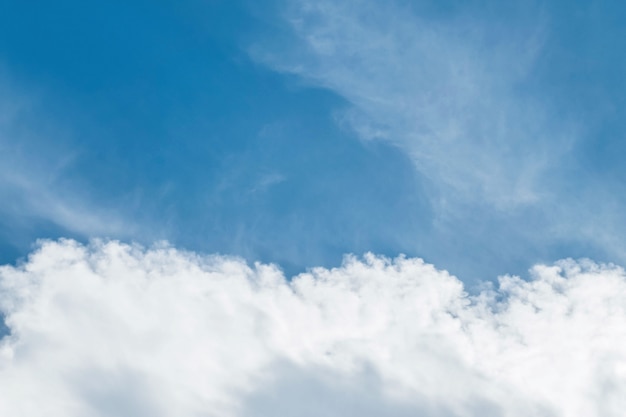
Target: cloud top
(113,330)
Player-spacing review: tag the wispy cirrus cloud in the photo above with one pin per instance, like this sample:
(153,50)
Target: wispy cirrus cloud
(459,90)
(449,91)
(112,329)
(34,184)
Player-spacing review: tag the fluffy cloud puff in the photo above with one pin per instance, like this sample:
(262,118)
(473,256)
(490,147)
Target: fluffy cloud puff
(115,330)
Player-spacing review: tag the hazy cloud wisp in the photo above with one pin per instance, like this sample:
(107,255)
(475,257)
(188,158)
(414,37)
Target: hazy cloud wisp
(448,91)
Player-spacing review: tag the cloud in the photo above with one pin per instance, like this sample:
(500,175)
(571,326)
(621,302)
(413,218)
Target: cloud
(34,183)
(464,92)
(116,330)
(449,91)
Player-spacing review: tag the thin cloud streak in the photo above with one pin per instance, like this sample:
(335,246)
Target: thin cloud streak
(448,92)
(33,180)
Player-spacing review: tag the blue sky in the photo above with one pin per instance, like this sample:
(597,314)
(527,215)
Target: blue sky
(295,207)
(480,137)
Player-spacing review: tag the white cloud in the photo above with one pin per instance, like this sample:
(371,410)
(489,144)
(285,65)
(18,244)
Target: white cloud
(449,91)
(32,172)
(115,330)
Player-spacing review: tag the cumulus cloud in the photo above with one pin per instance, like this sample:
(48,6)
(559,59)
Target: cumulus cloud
(115,330)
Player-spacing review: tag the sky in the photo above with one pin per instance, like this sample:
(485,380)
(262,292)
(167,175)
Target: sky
(292,207)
